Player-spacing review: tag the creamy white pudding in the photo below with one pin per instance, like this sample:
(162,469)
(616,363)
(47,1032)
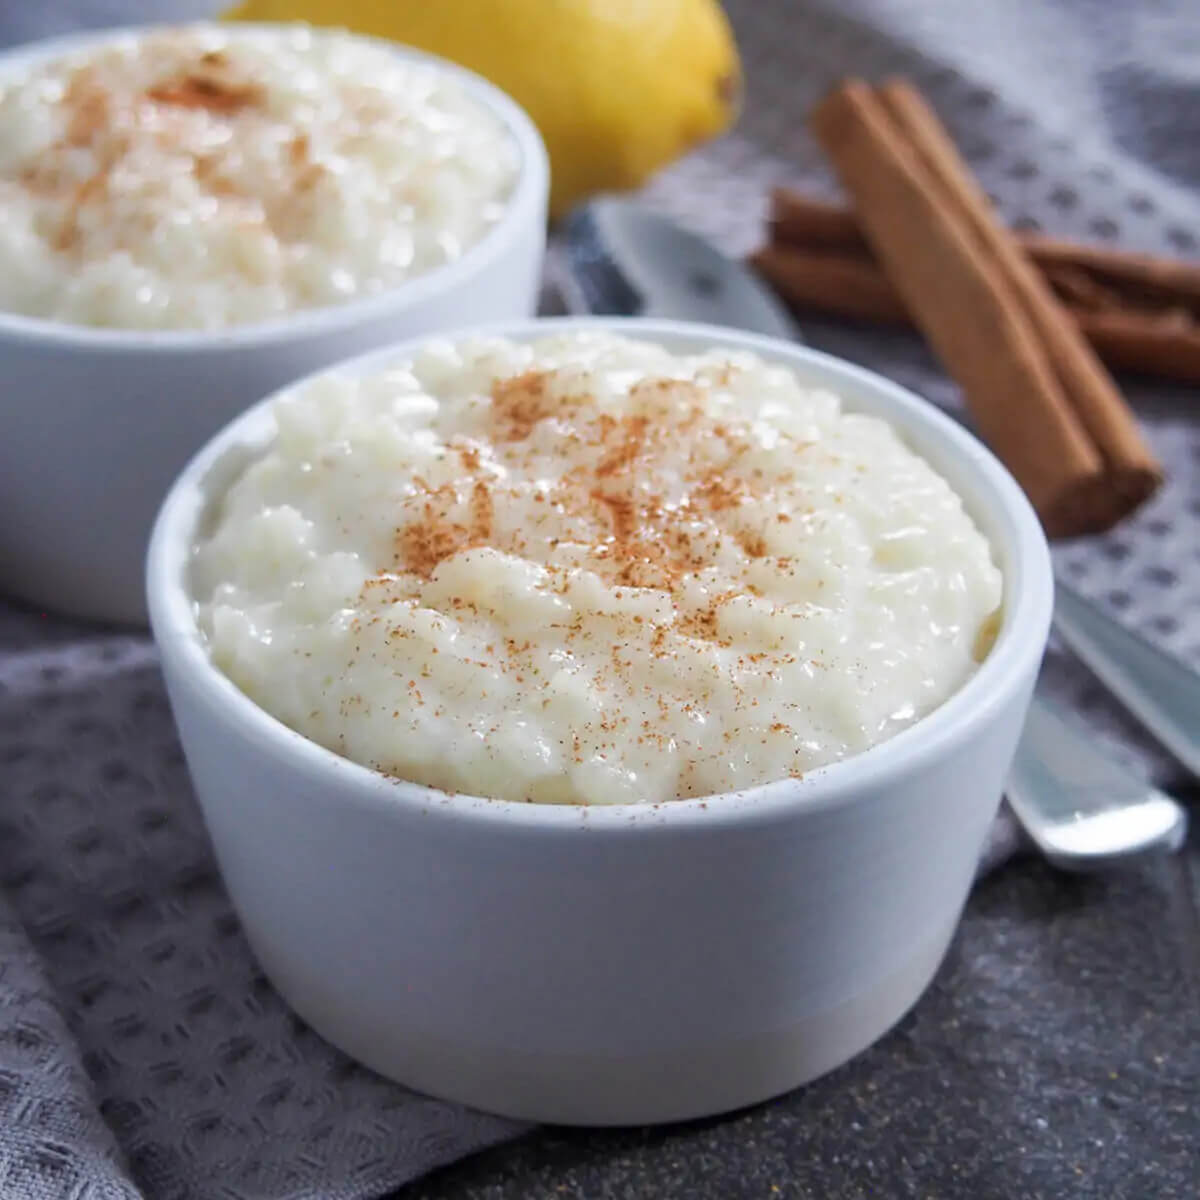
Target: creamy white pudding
(588,570)
(206,176)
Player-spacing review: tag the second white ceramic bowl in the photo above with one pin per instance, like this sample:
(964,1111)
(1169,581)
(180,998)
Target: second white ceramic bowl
(608,965)
(97,422)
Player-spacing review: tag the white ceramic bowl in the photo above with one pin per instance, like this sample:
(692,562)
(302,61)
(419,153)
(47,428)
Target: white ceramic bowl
(97,422)
(614,965)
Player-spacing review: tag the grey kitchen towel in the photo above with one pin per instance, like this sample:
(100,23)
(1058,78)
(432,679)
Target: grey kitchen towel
(142,1053)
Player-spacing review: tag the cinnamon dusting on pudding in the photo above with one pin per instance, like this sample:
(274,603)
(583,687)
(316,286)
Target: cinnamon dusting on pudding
(98,121)
(204,176)
(435,535)
(576,551)
(300,150)
(519,403)
(209,92)
(89,105)
(627,532)
(214,83)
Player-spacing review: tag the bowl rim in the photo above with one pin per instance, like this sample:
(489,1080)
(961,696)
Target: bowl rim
(1014,531)
(526,203)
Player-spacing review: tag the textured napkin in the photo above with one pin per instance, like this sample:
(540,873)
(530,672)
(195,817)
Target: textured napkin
(142,1053)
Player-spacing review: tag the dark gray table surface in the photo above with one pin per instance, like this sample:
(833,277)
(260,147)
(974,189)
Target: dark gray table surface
(1057,1054)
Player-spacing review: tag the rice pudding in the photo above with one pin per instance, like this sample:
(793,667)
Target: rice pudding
(206,176)
(589,570)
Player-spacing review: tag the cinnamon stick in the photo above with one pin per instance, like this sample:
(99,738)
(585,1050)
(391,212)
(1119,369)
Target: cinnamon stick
(850,285)
(1133,275)
(796,219)
(1143,319)
(1035,388)
(844,284)
(1126,334)
(1127,340)
(804,221)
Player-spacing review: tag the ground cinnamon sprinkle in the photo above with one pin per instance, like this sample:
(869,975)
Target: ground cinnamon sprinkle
(299,150)
(89,105)
(483,512)
(422,544)
(89,108)
(621,513)
(631,533)
(89,191)
(519,403)
(208,171)
(628,449)
(206,91)
(701,625)
(635,537)
(92,124)
(644,565)
(629,529)
(754,544)
(717,491)
(425,543)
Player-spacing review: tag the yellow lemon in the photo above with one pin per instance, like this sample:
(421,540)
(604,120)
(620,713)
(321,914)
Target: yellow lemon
(618,88)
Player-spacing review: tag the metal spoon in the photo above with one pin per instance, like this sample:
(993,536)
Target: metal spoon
(623,260)
(1078,806)
(1081,809)
(1160,691)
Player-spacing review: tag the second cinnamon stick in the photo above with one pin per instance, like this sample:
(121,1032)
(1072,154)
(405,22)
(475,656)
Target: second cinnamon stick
(804,221)
(850,284)
(1036,390)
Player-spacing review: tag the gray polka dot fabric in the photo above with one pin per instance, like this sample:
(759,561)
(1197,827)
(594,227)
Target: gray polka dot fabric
(142,1053)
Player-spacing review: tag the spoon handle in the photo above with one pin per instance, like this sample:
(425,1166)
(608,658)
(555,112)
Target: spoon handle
(1159,690)
(1081,808)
